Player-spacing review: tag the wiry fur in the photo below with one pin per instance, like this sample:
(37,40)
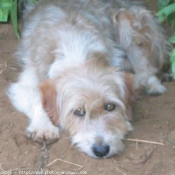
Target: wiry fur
(145,44)
(73,53)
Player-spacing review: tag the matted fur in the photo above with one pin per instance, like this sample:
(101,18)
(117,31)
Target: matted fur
(73,54)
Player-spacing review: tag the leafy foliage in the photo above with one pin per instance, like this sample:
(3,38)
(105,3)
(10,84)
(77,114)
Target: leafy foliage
(9,8)
(167,13)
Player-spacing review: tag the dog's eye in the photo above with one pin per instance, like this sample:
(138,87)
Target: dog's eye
(110,107)
(80,112)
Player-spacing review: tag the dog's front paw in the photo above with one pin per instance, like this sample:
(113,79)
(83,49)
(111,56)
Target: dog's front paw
(154,86)
(40,133)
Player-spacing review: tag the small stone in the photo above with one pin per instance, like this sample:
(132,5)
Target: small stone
(171,138)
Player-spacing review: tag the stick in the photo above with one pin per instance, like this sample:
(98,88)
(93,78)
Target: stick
(43,158)
(4,68)
(145,141)
(118,168)
(65,162)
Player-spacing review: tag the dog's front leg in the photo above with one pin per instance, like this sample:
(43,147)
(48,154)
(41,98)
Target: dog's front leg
(26,97)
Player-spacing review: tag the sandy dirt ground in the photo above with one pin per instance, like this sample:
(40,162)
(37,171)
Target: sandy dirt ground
(154,121)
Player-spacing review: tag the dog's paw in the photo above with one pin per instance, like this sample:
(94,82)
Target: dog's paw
(157,89)
(40,133)
(154,86)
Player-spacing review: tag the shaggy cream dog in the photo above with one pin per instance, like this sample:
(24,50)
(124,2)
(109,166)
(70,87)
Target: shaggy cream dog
(74,54)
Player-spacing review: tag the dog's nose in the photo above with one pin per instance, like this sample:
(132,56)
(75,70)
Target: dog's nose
(101,150)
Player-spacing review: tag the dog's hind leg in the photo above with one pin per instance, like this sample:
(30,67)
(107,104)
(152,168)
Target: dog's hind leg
(140,35)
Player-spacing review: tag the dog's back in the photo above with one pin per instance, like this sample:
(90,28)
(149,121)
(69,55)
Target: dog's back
(55,23)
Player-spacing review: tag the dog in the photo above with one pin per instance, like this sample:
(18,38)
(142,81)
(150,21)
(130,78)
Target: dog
(77,57)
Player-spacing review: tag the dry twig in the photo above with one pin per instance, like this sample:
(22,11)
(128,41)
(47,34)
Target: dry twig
(43,159)
(145,141)
(5,66)
(144,157)
(117,167)
(58,159)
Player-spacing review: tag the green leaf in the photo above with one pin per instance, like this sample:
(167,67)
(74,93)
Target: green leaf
(163,3)
(173,69)
(4,15)
(32,1)
(172,39)
(13,15)
(172,59)
(172,56)
(7,5)
(165,12)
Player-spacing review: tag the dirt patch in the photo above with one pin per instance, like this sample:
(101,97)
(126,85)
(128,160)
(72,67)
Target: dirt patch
(154,121)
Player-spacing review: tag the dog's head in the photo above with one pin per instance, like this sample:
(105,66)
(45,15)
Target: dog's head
(91,102)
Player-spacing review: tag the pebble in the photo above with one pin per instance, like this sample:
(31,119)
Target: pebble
(171,138)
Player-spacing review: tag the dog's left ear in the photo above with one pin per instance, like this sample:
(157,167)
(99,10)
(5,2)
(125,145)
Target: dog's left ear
(129,93)
(48,97)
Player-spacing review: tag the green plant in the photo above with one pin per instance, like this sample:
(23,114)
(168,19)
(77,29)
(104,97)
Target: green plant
(167,13)
(9,8)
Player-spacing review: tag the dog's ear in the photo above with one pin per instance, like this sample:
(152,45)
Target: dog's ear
(49,98)
(129,93)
